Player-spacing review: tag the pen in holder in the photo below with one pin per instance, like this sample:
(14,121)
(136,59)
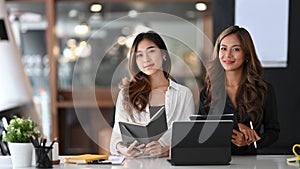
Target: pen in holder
(43,157)
(43,153)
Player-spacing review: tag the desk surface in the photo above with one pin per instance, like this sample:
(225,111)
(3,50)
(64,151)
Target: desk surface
(237,162)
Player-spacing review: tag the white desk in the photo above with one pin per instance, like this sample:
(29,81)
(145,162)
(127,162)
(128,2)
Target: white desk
(237,162)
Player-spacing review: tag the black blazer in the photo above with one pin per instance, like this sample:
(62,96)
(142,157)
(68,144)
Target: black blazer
(268,130)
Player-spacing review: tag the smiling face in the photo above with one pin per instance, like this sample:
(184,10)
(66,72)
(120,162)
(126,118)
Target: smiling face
(149,58)
(231,54)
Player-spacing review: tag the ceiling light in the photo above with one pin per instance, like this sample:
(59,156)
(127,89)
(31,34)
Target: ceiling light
(96,7)
(121,40)
(200,6)
(132,13)
(73,13)
(82,29)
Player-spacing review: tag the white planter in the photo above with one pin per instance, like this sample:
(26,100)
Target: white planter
(21,154)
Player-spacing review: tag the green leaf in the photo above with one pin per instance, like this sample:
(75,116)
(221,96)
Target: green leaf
(19,129)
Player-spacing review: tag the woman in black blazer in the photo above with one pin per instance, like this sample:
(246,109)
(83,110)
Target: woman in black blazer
(248,96)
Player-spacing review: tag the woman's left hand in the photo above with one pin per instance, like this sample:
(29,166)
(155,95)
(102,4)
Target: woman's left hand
(156,150)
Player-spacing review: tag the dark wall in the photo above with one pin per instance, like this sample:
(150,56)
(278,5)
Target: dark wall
(223,16)
(285,80)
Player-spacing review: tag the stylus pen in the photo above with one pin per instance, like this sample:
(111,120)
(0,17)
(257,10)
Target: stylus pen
(251,126)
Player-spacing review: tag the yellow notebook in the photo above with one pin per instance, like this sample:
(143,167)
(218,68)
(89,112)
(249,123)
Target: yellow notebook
(85,158)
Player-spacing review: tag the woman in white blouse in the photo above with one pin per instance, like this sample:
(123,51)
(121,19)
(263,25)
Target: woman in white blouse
(150,88)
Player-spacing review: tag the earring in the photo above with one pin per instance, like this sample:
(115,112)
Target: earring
(164,58)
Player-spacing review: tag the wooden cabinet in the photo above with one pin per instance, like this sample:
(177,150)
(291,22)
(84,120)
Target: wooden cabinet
(79,121)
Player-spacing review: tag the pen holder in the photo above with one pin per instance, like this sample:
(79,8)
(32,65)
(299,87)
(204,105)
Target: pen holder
(43,157)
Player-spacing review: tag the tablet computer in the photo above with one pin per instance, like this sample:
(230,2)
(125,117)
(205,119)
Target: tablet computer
(201,142)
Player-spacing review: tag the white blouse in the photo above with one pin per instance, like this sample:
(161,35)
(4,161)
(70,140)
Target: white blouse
(179,105)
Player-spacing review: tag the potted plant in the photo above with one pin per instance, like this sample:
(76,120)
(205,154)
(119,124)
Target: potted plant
(17,136)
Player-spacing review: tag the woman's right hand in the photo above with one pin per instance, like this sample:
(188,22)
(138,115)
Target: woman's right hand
(245,136)
(250,134)
(132,151)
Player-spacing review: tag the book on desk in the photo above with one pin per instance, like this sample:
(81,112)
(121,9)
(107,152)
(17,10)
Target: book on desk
(94,159)
(144,133)
(84,158)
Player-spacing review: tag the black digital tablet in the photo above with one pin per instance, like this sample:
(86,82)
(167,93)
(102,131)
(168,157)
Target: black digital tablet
(201,142)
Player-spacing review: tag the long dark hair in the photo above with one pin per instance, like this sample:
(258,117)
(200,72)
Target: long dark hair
(253,89)
(137,91)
